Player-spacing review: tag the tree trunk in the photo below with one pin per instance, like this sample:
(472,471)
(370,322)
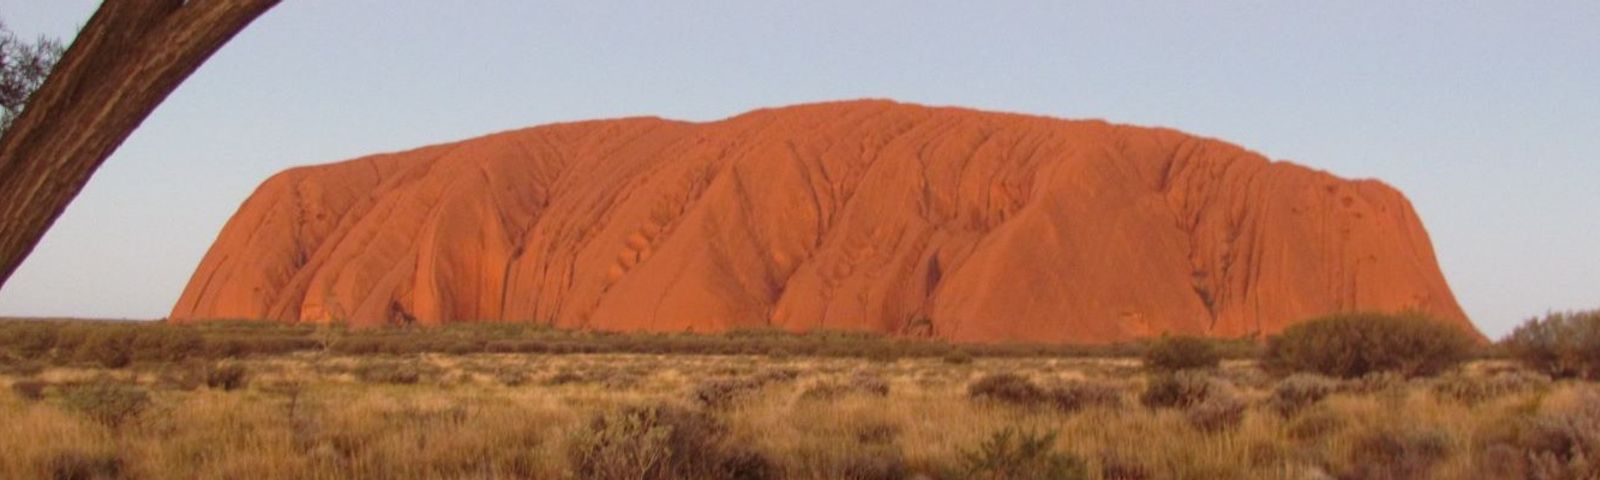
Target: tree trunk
(127,59)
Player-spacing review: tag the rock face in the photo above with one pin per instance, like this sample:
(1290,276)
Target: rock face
(867,215)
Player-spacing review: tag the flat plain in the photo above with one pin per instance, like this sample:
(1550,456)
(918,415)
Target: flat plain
(893,409)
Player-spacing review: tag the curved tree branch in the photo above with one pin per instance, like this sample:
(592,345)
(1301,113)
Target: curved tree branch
(127,59)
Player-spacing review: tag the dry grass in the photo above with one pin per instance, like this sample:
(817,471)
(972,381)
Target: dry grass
(305,415)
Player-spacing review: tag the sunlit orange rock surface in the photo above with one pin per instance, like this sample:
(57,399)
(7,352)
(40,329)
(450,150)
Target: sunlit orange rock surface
(868,215)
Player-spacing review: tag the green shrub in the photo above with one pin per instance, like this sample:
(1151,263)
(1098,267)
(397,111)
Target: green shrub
(1020,454)
(659,442)
(1561,345)
(107,402)
(1353,345)
(1181,352)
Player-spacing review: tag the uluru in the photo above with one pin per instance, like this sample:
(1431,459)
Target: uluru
(949,223)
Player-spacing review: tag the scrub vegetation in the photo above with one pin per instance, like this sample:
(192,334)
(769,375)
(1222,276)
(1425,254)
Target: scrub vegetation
(240,400)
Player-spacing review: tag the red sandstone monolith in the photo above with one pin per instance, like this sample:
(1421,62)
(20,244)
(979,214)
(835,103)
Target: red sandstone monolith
(864,215)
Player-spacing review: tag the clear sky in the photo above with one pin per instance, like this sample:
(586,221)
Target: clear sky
(1486,114)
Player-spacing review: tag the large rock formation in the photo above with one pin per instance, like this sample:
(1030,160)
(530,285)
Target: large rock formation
(872,215)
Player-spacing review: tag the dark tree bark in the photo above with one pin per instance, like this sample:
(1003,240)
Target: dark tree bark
(127,59)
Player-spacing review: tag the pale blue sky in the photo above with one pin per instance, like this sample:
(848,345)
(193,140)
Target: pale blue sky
(1486,114)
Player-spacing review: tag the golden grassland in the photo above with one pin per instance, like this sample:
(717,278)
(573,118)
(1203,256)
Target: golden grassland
(317,415)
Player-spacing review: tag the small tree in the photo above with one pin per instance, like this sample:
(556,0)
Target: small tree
(1353,345)
(1561,345)
(23,68)
(1015,453)
(1181,352)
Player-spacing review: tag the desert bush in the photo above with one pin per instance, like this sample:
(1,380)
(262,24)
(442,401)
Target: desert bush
(116,344)
(395,373)
(1181,352)
(1352,345)
(1373,383)
(163,343)
(1074,395)
(107,402)
(660,441)
(1017,454)
(858,384)
(1395,452)
(1178,390)
(723,392)
(881,354)
(185,376)
(822,457)
(106,346)
(1222,409)
(28,339)
(958,357)
(877,432)
(1561,345)
(565,377)
(1315,423)
(1208,404)
(226,376)
(22,368)
(83,465)
(1472,390)
(874,462)
(1116,465)
(1008,388)
(31,390)
(1299,391)
(1561,443)
(869,384)
(239,345)
(1067,397)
